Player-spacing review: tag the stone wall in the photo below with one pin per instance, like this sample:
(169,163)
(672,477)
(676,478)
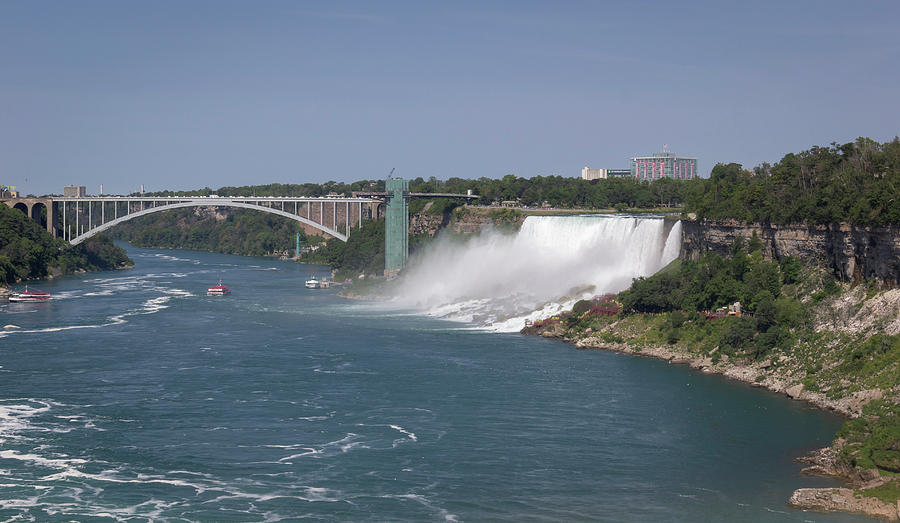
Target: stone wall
(853,253)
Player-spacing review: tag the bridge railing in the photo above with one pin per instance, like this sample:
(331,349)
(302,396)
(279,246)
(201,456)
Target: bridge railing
(79,218)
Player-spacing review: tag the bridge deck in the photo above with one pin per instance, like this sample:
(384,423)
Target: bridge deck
(382,194)
(274,199)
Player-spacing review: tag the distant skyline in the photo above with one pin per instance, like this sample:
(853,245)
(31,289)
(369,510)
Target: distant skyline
(182,95)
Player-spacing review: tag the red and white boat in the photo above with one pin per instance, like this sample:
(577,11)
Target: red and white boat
(29,296)
(218,290)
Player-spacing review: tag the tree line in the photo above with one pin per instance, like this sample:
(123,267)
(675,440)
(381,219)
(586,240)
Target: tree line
(28,251)
(234,231)
(857,182)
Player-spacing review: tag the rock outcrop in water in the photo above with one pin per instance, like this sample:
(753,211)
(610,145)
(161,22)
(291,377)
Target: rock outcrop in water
(842,500)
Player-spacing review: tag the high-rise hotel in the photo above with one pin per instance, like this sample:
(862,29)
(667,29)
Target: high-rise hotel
(663,165)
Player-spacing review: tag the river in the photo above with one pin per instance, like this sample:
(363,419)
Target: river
(134,396)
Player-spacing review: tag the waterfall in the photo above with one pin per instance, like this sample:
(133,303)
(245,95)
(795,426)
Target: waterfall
(498,281)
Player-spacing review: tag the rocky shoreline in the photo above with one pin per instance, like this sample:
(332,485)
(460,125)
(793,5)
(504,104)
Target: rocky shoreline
(777,379)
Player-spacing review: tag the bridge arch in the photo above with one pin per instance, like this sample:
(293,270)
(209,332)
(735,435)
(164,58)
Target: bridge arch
(22,207)
(39,213)
(206,203)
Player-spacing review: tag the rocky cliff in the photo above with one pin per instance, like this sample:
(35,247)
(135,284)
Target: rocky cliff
(471,220)
(426,223)
(853,253)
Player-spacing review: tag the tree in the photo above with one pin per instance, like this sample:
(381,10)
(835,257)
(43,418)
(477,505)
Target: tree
(765,313)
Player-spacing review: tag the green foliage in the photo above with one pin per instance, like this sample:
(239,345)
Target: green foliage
(28,251)
(887,459)
(763,277)
(672,336)
(739,332)
(240,232)
(789,312)
(857,182)
(676,319)
(873,439)
(888,492)
(95,254)
(557,191)
(683,289)
(654,294)
(582,306)
(282,189)
(707,284)
(766,314)
(362,253)
(878,352)
(791,267)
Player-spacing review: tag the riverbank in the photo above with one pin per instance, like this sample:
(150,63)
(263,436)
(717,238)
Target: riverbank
(29,252)
(829,366)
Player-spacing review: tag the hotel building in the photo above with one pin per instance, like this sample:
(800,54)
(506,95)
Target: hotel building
(663,165)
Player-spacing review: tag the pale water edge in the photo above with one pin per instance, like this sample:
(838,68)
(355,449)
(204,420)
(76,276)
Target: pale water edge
(133,396)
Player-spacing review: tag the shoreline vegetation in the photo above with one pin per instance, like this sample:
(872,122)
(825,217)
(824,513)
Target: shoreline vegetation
(800,331)
(29,252)
(802,328)
(802,334)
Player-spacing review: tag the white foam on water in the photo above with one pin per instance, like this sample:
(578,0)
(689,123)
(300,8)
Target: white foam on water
(16,414)
(168,257)
(424,501)
(409,434)
(107,292)
(41,461)
(150,306)
(65,295)
(340,446)
(498,281)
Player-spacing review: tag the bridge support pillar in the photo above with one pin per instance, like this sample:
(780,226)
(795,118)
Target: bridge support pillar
(396,227)
(28,206)
(51,217)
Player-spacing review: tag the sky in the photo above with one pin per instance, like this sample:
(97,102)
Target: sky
(186,94)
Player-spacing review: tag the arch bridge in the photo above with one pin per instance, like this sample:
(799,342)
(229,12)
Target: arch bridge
(78,218)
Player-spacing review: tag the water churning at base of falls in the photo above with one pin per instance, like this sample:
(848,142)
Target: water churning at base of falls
(497,281)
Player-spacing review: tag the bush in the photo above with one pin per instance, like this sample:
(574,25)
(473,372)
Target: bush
(672,336)
(676,319)
(790,269)
(766,312)
(789,312)
(582,306)
(887,459)
(739,332)
(766,341)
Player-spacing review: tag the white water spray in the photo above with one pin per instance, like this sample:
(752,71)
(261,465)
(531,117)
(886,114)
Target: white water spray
(497,281)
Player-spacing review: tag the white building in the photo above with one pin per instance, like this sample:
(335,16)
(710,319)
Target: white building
(593,174)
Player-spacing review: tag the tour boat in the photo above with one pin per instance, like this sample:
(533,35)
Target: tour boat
(312,283)
(218,290)
(28,296)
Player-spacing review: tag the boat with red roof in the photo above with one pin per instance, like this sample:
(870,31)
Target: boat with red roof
(29,296)
(218,290)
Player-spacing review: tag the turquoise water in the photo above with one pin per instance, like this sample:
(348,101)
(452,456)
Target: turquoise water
(133,396)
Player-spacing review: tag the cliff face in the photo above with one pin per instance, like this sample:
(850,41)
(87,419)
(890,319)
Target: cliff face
(853,253)
(422,223)
(473,220)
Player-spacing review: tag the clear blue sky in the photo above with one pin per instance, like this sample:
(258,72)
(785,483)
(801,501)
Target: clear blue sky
(181,94)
